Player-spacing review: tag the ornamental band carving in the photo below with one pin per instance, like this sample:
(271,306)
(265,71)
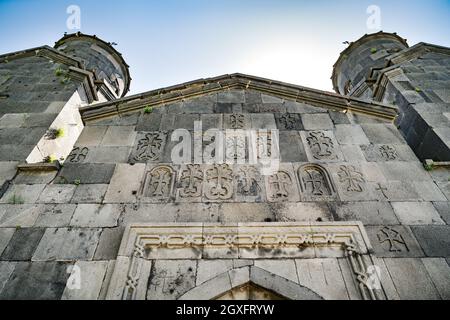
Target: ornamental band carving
(279,240)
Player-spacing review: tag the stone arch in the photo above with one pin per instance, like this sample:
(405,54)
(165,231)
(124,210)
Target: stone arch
(225,282)
(315,183)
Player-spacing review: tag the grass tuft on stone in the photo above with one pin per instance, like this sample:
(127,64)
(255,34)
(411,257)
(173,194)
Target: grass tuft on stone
(59,133)
(59,72)
(148,109)
(428,167)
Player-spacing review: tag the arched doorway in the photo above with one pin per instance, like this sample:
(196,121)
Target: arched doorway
(250,283)
(250,291)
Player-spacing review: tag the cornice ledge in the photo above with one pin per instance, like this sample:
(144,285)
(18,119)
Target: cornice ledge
(415,52)
(87,80)
(43,51)
(201,87)
(76,68)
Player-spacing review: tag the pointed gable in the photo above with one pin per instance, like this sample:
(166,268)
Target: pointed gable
(237,88)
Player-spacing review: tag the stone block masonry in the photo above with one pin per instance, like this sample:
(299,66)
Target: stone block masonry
(350,196)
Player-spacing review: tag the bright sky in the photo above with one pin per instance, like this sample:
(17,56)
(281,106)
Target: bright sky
(168,42)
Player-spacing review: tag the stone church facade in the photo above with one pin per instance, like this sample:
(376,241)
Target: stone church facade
(318,195)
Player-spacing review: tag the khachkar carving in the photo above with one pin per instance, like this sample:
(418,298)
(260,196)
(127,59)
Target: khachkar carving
(352,179)
(321,146)
(191,181)
(248,181)
(159,183)
(279,185)
(290,121)
(392,238)
(388,152)
(264,145)
(78,155)
(219,182)
(279,241)
(149,147)
(235,146)
(315,183)
(382,189)
(237,121)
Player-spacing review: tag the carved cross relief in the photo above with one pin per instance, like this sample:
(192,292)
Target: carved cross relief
(278,183)
(352,179)
(159,182)
(78,155)
(392,238)
(150,146)
(219,182)
(191,181)
(321,146)
(315,183)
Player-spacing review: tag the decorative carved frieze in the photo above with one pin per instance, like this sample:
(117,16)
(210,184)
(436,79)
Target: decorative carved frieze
(278,240)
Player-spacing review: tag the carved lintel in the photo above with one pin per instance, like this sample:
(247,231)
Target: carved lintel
(348,237)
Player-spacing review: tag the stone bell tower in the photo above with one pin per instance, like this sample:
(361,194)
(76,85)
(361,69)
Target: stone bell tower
(99,57)
(42,89)
(381,67)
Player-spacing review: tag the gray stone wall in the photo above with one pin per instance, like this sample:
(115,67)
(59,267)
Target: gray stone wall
(421,92)
(335,167)
(380,67)
(33,91)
